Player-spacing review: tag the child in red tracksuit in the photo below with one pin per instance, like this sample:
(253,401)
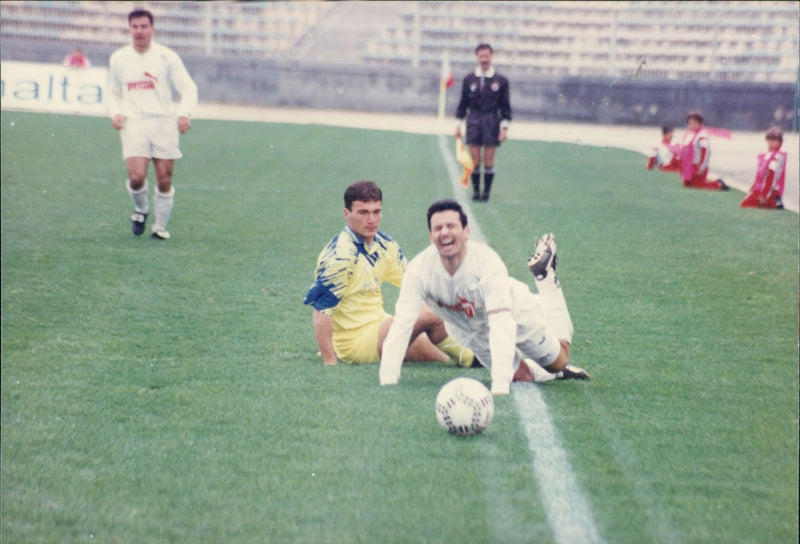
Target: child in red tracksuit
(666,155)
(696,154)
(767,189)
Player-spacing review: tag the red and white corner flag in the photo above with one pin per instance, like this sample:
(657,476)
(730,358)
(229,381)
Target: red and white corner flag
(446,81)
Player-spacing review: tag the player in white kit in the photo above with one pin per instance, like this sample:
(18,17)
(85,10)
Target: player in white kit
(467,285)
(142,78)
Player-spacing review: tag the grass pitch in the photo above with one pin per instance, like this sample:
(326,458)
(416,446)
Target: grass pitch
(171,392)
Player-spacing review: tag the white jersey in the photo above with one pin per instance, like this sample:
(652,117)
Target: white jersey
(473,302)
(141,84)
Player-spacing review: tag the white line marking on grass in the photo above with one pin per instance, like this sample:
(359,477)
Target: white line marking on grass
(458,190)
(568,512)
(655,518)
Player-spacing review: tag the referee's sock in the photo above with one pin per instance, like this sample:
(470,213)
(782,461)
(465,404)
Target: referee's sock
(476,184)
(488,179)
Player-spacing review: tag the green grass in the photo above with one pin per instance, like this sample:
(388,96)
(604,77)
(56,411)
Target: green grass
(171,392)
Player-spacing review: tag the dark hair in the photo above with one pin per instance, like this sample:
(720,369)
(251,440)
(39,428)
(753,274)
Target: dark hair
(775,133)
(695,114)
(364,191)
(484,46)
(667,128)
(445,205)
(135,14)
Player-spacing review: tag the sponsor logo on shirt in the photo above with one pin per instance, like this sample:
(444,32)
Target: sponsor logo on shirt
(463,305)
(146,84)
(141,85)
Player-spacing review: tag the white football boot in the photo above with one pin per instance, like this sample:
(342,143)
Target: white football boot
(544,260)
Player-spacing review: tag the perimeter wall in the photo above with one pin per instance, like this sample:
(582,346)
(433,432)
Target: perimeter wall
(297,84)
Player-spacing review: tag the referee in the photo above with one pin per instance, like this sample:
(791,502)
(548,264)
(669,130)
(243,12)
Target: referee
(486,107)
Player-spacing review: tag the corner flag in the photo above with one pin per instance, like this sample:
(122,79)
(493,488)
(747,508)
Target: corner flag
(446,81)
(464,159)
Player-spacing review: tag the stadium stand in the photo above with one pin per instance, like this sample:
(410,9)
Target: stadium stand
(716,41)
(250,29)
(737,41)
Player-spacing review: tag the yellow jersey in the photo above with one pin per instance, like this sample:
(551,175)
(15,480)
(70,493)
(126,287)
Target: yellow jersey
(348,279)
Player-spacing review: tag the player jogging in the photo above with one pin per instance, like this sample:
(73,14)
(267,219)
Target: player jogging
(467,285)
(486,107)
(142,78)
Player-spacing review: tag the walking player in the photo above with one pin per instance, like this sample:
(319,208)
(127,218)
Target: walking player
(142,78)
(486,107)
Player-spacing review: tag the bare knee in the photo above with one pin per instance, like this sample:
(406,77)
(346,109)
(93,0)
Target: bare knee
(136,182)
(428,322)
(164,185)
(562,360)
(164,168)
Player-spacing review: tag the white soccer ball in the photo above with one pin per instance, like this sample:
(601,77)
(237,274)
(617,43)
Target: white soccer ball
(464,407)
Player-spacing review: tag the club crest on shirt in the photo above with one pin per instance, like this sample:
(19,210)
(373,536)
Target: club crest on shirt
(495,86)
(462,305)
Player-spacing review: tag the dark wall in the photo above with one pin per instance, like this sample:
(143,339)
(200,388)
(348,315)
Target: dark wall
(274,83)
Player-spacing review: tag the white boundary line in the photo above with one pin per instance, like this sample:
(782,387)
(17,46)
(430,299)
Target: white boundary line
(568,512)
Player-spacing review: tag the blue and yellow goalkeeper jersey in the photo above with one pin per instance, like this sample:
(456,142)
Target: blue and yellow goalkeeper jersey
(349,277)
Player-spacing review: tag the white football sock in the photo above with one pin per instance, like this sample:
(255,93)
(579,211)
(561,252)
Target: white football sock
(162,206)
(539,374)
(139,197)
(558,319)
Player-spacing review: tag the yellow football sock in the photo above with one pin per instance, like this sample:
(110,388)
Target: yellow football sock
(459,355)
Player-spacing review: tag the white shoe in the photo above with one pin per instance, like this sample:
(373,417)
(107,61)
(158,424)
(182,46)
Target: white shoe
(160,235)
(543,261)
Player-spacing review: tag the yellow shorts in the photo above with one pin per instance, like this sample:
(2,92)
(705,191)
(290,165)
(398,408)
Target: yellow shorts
(359,346)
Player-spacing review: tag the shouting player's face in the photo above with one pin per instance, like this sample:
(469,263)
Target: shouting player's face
(142,32)
(449,236)
(364,219)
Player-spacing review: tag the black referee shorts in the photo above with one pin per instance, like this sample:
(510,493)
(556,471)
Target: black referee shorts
(483,129)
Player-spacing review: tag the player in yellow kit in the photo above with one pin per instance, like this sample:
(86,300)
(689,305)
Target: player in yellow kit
(349,319)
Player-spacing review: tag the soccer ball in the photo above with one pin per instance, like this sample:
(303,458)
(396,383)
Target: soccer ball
(464,407)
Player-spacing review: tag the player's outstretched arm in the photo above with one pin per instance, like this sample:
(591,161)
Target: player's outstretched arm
(323,330)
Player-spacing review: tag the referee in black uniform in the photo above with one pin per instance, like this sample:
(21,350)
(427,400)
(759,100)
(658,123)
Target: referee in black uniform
(486,106)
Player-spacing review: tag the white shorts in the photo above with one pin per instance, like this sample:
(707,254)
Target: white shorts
(534,339)
(157,138)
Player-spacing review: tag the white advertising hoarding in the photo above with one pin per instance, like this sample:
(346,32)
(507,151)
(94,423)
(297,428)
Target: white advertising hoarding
(53,88)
